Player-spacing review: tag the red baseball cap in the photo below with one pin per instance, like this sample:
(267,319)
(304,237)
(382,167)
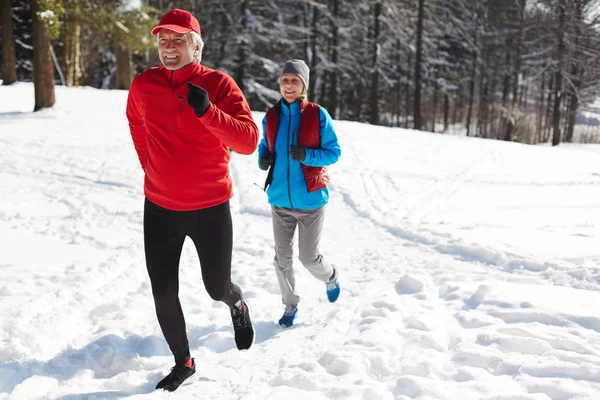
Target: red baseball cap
(179,21)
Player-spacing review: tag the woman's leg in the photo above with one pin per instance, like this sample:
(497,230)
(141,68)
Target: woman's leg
(284,227)
(310,226)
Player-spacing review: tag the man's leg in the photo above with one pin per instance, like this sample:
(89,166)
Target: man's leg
(310,225)
(163,242)
(284,227)
(212,233)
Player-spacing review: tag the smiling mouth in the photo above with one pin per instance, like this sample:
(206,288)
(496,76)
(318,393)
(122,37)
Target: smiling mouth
(170,57)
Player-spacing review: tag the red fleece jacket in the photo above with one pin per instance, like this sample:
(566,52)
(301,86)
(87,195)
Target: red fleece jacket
(185,158)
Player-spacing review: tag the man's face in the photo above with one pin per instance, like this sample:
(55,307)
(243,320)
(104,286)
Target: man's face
(290,87)
(175,50)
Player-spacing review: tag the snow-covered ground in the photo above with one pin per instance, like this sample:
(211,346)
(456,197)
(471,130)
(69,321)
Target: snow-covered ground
(470,269)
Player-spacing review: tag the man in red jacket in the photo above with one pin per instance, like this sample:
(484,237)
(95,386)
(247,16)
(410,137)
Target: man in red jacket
(184,118)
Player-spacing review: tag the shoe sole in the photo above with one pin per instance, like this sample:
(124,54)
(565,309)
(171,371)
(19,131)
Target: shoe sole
(191,379)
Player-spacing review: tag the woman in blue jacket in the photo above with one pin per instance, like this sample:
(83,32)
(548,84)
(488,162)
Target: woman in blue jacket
(298,143)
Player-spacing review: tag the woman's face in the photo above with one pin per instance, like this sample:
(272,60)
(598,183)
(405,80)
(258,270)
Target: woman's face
(291,87)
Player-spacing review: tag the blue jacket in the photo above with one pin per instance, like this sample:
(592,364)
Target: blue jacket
(288,187)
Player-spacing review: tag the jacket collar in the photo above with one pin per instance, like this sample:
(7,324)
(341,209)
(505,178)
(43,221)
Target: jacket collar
(295,108)
(184,74)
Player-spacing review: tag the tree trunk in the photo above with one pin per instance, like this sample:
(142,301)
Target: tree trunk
(573,106)
(73,51)
(359,100)
(577,75)
(506,126)
(241,59)
(226,23)
(558,82)
(523,93)
(434,106)
(407,90)
(517,71)
(446,111)
(398,97)
(43,69)
(457,112)
(418,67)
(374,69)
(482,118)
(540,108)
(9,59)
(333,75)
(491,130)
(313,56)
(566,117)
(124,64)
(548,119)
(471,92)
(305,14)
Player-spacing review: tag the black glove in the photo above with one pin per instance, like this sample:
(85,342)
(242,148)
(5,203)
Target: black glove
(265,162)
(298,153)
(197,98)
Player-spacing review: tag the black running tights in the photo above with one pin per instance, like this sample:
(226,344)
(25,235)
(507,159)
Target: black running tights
(164,233)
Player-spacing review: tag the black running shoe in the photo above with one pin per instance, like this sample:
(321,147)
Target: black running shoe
(242,326)
(179,373)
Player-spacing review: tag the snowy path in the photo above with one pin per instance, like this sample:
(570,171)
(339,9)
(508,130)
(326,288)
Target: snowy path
(469,269)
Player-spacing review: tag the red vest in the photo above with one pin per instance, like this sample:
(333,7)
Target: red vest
(309,136)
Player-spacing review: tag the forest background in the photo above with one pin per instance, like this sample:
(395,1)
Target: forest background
(514,70)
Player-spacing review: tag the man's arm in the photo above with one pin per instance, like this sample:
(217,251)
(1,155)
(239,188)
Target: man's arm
(136,125)
(230,119)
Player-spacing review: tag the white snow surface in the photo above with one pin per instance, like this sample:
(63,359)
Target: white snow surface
(470,269)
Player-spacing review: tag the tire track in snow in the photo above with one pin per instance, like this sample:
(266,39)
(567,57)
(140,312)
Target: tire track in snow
(561,272)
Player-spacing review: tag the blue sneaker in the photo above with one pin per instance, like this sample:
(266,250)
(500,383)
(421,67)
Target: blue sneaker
(288,316)
(333,288)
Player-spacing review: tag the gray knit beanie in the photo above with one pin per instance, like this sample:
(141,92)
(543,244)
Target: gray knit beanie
(299,68)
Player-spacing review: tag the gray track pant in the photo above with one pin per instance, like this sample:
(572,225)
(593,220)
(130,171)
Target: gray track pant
(310,224)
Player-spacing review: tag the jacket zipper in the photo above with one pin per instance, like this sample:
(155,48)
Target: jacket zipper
(171,101)
(288,158)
